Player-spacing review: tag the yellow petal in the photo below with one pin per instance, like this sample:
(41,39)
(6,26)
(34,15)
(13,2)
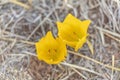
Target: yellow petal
(75,24)
(20,4)
(73,31)
(81,27)
(62,46)
(85,24)
(70,19)
(51,50)
(72,44)
(66,31)
(44,41)
(90,46)
(80,43)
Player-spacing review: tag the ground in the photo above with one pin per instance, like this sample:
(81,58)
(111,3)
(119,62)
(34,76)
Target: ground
(24,22)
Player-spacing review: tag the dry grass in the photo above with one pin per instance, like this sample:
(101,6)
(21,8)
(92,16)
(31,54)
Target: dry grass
(23,22)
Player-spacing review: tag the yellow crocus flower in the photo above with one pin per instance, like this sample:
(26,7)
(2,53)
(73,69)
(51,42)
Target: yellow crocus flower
(51,50)
(73,31)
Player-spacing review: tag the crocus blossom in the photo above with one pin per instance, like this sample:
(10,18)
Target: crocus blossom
(73,31)
(51,50)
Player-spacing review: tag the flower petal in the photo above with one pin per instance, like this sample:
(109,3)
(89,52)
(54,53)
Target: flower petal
(85,24)
(72,44)
(73,31)
(71,20)
(79,26)
(80,43)
(43,42)
(51,50)
(67,32)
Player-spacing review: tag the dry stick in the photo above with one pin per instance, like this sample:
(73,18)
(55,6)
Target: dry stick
(23,41)
(106,31)
(20,4)
(79,54)
(66,78)
(112,37)
(113,63)
(81,68)
(102,37)
(40,24)
(30,2)
(90,47)
(75,53)
(15,35)
(79,73)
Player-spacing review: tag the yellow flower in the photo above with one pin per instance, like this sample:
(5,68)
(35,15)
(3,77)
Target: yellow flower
(51,50)
(73,31)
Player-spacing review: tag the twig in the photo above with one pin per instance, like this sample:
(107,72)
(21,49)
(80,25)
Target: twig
(107,31)
(79,73)
(30,2)
(30,53)
(90,47)
(118,40)
(40,24)
(20,4)
(113,63)
(22,41)
(81,68)
(70,74)
(79,54)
